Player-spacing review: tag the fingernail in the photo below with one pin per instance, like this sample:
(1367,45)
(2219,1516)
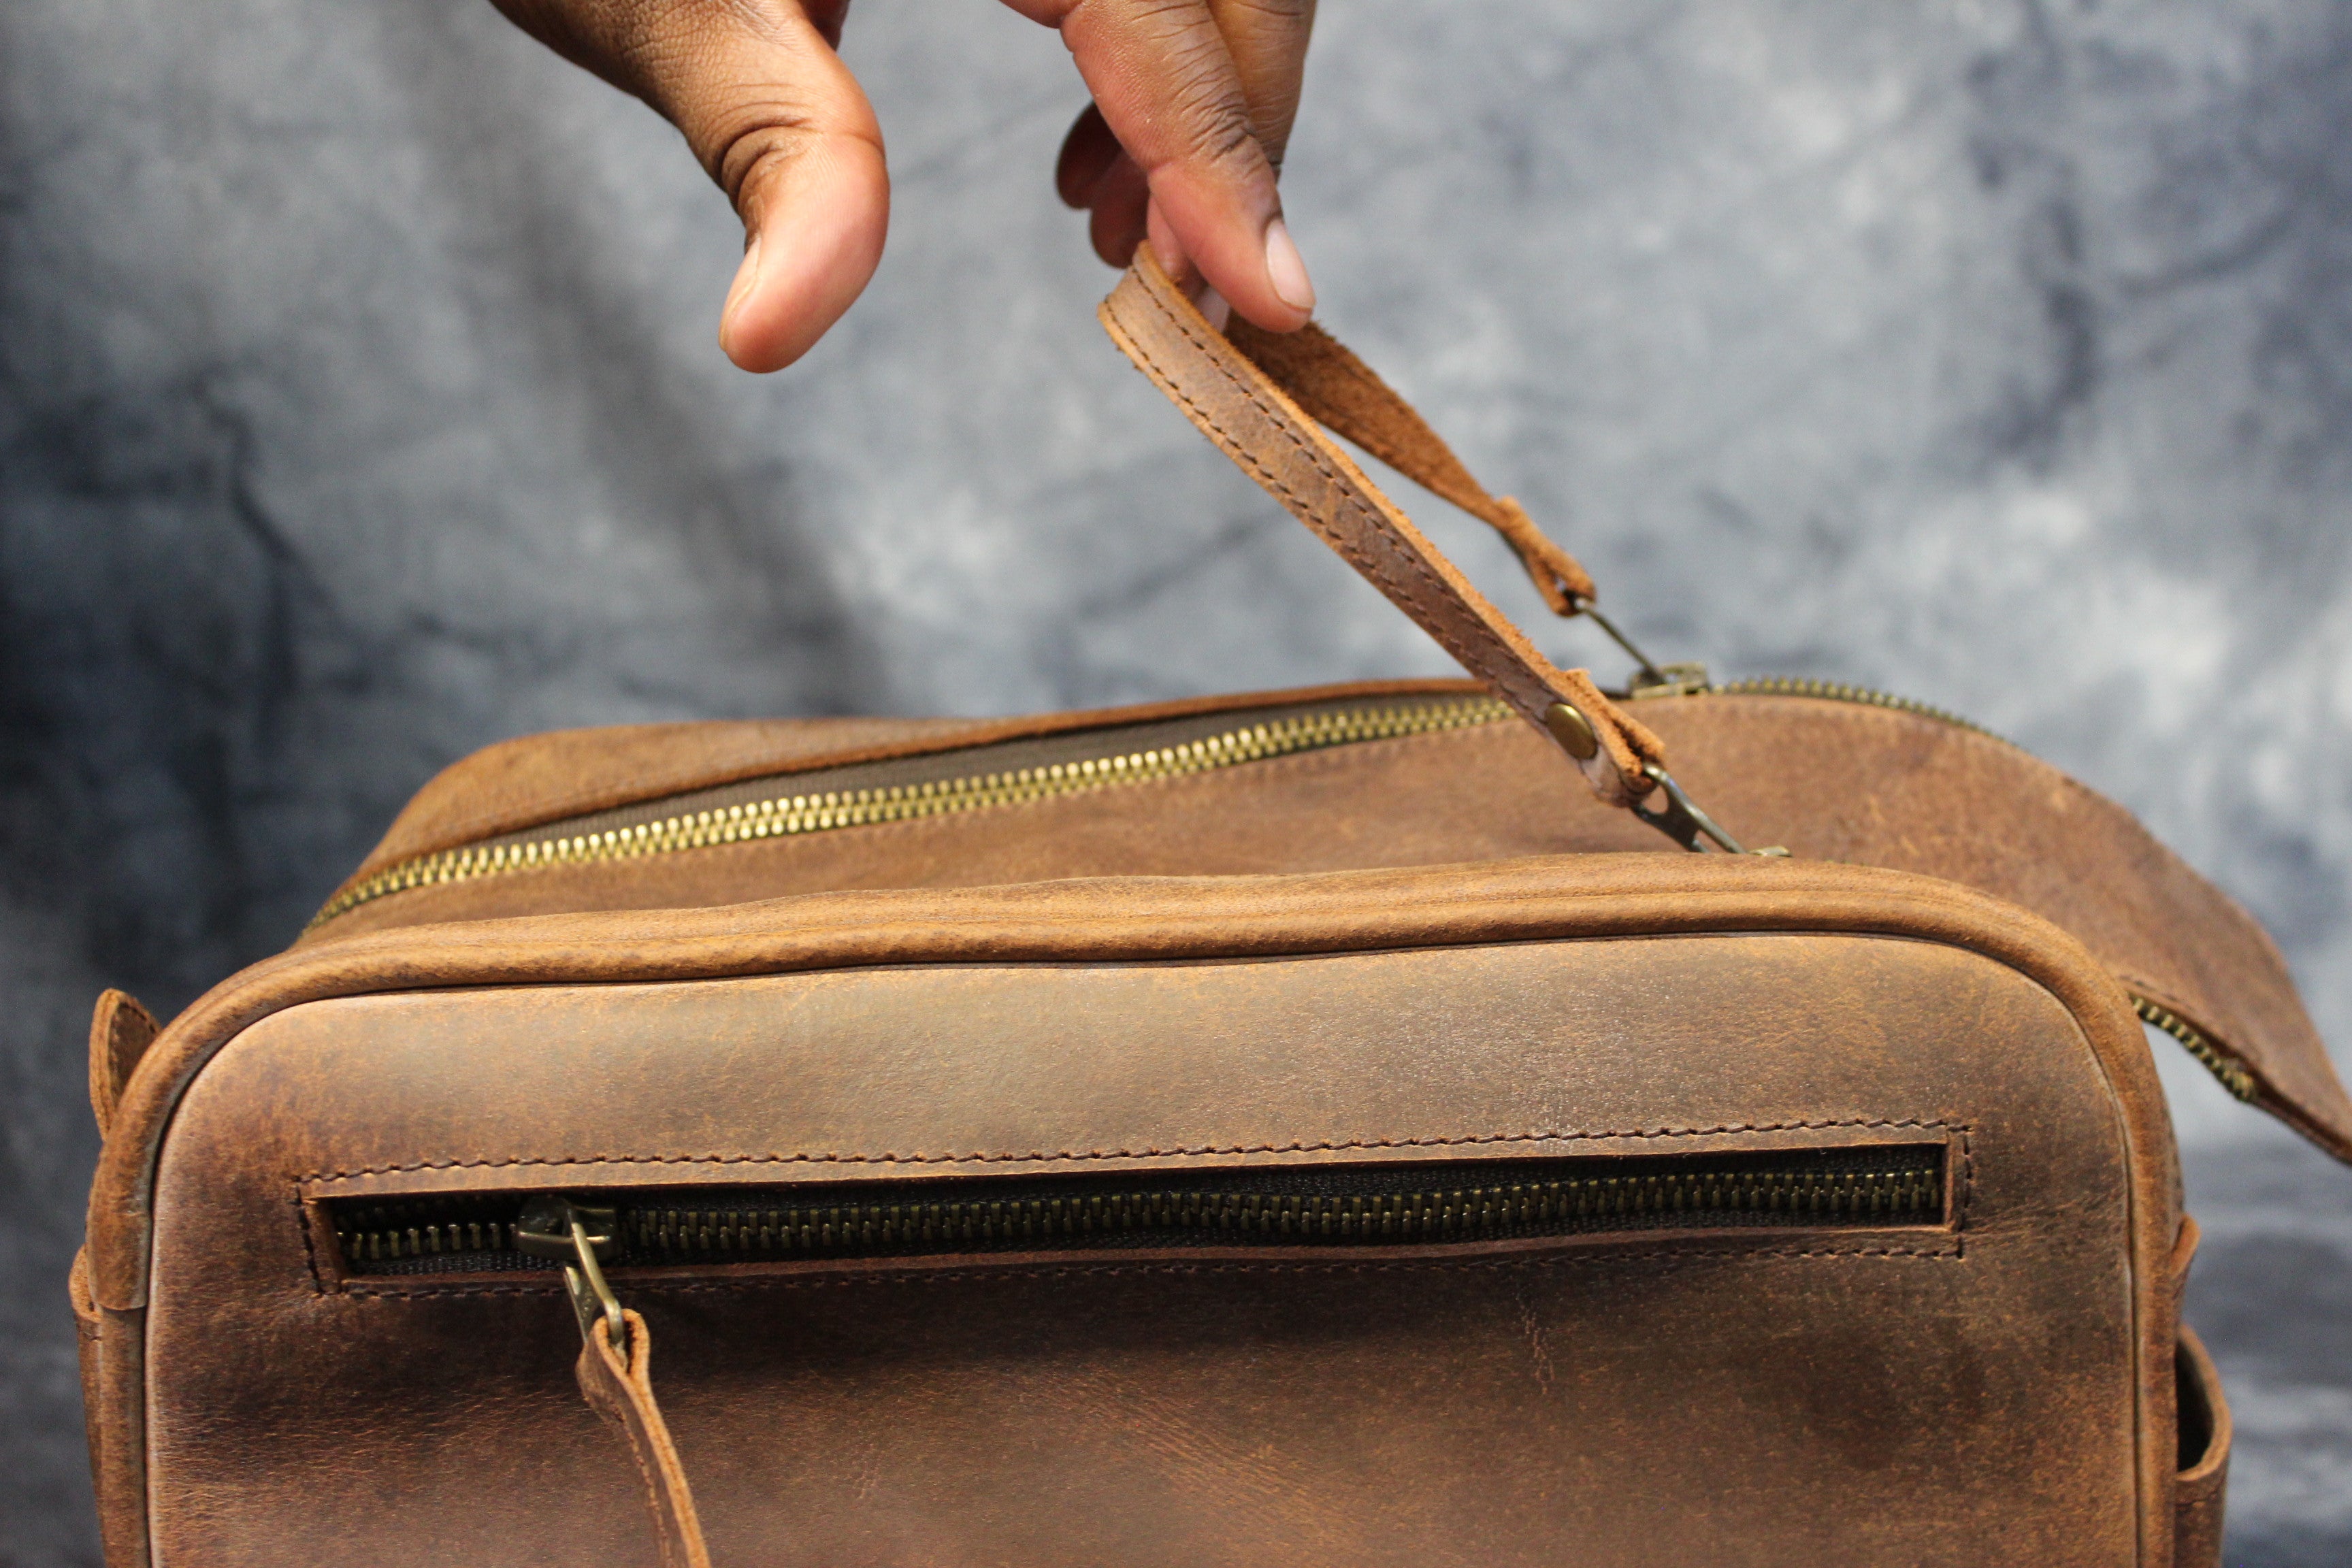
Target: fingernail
(1285,270)
(1212,305)
(746,276)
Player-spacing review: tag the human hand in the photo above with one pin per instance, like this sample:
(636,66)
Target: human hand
(1192,107)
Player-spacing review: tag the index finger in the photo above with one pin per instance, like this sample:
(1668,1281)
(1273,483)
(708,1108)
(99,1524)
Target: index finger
(1172,89)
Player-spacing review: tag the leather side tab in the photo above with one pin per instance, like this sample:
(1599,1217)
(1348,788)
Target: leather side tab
(1347,397)
(2202,1486)
(121,1030)
(623,1393)
(1273,440)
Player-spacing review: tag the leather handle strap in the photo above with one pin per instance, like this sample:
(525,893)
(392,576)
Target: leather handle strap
(621,1389)
(1271,437)
(1347,397)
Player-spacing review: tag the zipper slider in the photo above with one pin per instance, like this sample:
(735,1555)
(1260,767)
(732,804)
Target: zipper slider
(551,1225)
(1683,820)
(1669,680)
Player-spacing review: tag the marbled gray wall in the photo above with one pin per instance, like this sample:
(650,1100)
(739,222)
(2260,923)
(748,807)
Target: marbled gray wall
(359,405)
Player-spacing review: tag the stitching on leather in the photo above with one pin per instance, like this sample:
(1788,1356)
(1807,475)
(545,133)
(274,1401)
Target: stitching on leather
(965,1275)
(1379,525)
(1181,1152)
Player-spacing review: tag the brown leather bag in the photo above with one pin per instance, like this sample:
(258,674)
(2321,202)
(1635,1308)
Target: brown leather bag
(1295,1125)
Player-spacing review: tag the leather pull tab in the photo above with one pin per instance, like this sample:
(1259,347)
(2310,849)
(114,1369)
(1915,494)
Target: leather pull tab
(1271,438)
(121,1030)
(1347,397)
(622,1392)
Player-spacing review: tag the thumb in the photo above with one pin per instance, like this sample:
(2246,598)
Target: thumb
(777,120)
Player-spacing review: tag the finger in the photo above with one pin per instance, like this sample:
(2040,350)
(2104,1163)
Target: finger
(1172,90)
(1115,219)
(1096,174)
(1268,41)
(1087,154)
(778,121)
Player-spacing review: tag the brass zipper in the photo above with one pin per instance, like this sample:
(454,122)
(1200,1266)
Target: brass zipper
(822,811)
(1445,1215)
(784,815)
(1897,1186)
(815,811)
(2232,1073)
(1834,691)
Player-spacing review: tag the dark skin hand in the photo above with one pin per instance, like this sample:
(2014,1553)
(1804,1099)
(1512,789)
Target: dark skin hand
(1192,106)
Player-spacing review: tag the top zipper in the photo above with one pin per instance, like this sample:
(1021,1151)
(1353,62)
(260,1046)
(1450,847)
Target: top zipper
(1073,764)
(691,822)
(1833,692)
(1095,761)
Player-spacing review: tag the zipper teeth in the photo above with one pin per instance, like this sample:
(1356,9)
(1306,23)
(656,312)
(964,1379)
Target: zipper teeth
(1836,691)
(783,816)
(1461,1212)
(2232,1072)
(1464,1211)
(425,1240)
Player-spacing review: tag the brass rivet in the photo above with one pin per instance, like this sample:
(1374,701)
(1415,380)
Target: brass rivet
(1573,731)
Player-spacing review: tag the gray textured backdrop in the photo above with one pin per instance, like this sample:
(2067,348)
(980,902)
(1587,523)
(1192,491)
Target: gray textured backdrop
(359,407)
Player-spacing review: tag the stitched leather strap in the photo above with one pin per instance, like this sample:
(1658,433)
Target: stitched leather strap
(622,1392)
(1268,432)
(1346,397)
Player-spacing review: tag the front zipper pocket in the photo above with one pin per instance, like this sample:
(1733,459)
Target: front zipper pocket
(1326,1206)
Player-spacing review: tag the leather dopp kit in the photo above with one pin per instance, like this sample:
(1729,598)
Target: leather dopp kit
(1490,1121)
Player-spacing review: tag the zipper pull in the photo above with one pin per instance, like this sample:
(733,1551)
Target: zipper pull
(615,1375)
(551,1225)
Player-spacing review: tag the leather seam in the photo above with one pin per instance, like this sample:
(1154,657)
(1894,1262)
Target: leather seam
(1492,669)
(1179,1151)
(965,1274)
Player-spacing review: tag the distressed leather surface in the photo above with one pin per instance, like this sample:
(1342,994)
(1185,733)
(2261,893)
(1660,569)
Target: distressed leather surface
(1956,1397)
(1832,781)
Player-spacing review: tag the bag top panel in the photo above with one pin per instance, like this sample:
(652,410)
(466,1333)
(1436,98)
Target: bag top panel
(1835,780)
